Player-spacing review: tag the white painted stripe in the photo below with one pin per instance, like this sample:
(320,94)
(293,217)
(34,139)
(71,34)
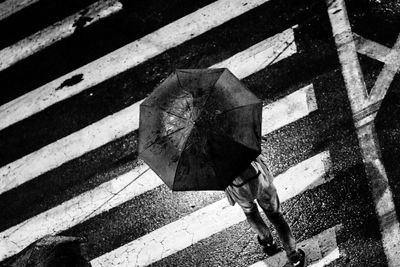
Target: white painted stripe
(212,219)
(365,120)
(9,7)
(381,193)
(83,207)
(265,53)
(56,32)
(127,120)
(369,144)
(125,58)
(68,148)
(371,48)
(321,250)
(377,51)
(391,58)
(289,109)
(103,198)
(350,67)
(386,76)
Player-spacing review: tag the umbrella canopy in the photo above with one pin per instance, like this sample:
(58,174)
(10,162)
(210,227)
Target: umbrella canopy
(199,129)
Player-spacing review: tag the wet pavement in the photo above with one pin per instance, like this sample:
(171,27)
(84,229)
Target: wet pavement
(345,199)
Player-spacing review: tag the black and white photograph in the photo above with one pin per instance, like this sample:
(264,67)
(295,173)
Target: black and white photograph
(199,133)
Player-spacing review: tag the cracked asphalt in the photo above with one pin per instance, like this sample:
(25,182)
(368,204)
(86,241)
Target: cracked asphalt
(343,200)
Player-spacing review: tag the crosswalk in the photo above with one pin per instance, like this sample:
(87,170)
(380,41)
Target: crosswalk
(321,249)
(311,155)
(211,219)
(10,7)
(124,58)
(40,40)
(122,189)
(127,120)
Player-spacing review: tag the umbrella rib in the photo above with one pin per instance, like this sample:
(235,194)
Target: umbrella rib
(183,88)
(164,136)
(169,112)
(179,82)
(229,110)
(180,85)
(180,158)
(177,130)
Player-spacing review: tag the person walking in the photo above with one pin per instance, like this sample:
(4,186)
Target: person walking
(256,183)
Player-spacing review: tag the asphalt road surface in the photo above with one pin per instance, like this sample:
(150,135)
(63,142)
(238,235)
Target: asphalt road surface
(326,71)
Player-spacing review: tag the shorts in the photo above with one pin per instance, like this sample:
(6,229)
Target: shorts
(261,189)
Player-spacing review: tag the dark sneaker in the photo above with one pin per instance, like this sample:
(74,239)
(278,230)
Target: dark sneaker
(270,248)
(297,259)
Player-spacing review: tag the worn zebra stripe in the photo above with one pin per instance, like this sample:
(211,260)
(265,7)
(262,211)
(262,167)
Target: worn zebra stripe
(289,109)
(9,7)
(125,121)
(125,58)
(370,48)
(210,220)
(369,144)
(56,32)
(128,186)
(321,250)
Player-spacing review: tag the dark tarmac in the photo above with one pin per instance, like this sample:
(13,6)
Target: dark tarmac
(344,200)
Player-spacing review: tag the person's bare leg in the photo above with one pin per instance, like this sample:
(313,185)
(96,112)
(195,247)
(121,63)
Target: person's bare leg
(271,208)
(270,204)
(283,230)
(257,223)
(286,236)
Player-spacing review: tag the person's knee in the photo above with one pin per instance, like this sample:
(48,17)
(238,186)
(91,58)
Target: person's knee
(269,203)
(270,206)
(273,215)
(249,209)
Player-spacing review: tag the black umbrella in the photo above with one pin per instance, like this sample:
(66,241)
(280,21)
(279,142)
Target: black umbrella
(199,129)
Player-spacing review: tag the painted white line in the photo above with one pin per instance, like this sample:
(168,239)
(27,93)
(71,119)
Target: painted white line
(125,58)
(294,106)
(369,144)
(344,38)
(83,207)
(321,250)
(56,32)
(92,203)
(68,148)
(389,56)
(207,221)
(9,7)
(386,76)
(306,175)
(265,53)
(127,120)
(381,193)
(370,48)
